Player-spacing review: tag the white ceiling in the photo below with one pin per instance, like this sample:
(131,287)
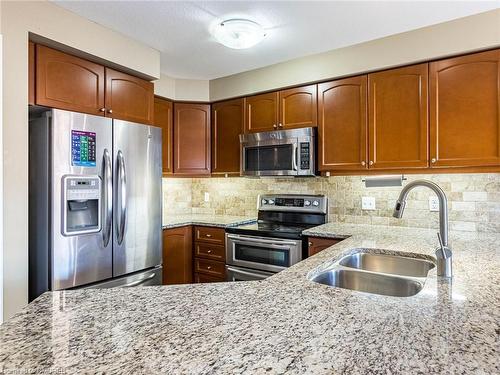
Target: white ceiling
(180,29)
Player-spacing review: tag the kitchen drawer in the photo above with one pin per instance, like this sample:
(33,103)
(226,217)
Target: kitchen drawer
(202,278)
(209,251)
(317,244)
(209,267)
(210,235)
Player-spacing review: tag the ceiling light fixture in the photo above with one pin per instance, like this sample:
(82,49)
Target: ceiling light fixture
(238,33)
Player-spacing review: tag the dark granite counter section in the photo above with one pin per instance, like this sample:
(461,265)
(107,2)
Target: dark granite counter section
(284,324)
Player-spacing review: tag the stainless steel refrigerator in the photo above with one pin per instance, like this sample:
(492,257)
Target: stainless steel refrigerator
(94,201)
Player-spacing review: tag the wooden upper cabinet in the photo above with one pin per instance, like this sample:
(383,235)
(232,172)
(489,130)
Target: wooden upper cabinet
(262,112)
(342,127)
(398,112)
(298,107)
(129,98)
(163,118)
(68,82)
(31,73)
(191,139)
(465,111)
(178,255)
(227,125)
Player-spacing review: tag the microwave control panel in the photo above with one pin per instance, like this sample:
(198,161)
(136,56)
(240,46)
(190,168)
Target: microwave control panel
(305,155)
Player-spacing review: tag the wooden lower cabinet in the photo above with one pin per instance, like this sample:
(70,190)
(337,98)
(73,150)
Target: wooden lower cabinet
(178,255)
(210,254)
(200,278)
(317,244)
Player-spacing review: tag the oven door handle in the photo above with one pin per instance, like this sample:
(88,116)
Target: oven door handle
(246,273)
(270,243)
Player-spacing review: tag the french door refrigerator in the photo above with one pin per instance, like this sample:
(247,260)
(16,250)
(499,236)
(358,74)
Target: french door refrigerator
(95,202)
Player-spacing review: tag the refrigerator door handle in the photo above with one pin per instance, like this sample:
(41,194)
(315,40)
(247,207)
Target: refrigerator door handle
(122,198)
(108,197)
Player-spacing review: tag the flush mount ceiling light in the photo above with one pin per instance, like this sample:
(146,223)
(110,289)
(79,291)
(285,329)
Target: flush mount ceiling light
(238,33)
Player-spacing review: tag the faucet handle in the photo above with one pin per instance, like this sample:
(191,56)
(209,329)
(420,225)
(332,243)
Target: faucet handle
(443,250)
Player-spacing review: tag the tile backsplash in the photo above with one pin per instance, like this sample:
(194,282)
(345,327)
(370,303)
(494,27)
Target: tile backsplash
(473,199)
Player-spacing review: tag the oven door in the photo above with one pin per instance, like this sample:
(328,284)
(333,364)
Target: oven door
(245,274)
(270,158)
(262,253)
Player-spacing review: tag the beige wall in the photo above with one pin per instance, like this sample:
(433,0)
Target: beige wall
(454,37)
(182,89)
(50,21)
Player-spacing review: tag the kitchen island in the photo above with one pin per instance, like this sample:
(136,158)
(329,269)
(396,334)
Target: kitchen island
(284,324)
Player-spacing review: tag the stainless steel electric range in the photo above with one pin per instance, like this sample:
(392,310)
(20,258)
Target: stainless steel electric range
(256,251)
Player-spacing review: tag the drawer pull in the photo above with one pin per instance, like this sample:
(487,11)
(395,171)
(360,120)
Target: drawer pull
(209,267)
(208,235)
(209,251)
(310,243)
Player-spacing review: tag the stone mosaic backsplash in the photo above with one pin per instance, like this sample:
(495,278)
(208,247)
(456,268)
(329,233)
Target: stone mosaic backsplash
(473,199)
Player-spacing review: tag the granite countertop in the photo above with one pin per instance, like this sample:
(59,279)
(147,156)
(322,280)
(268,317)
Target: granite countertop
(223,221)
(284,324)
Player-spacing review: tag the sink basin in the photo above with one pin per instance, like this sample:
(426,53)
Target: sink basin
(369,282)
(392,264)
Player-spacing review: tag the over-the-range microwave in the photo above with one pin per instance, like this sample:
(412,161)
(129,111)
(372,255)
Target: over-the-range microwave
(278,153)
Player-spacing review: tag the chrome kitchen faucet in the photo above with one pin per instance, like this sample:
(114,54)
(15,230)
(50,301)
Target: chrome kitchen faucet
(443,253)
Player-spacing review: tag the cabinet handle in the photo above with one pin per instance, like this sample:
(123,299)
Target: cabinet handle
(110,111)
(371,162)
(102,110)
(280,125)
(310,243)
(209,267)
(363,163)
(433,160)
(209,251)
(208,235)
(275,126)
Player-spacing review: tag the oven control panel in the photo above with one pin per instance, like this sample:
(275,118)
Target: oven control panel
(288,202)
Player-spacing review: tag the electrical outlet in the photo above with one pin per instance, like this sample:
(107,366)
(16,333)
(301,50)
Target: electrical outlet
(433,203)
(368,203)
(207,197)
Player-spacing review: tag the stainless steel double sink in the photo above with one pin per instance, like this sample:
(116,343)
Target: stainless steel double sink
(370,271)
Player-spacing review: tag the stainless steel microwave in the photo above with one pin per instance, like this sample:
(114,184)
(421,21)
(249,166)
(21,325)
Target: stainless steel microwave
(278,153)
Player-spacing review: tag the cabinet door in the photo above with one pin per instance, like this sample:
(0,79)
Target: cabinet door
(68,82)
(227,125)
(398,112)
(163,118)
(465,111)
(31,73)
(342,132)
(129,98)
(261,112)
(191,139)
(299,107)
(177,255)
(317,244)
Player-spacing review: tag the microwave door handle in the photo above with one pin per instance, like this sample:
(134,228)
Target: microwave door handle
(239,239)
(108,198)
(294,157)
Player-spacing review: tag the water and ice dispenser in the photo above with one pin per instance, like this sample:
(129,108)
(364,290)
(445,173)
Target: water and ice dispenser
(81,204)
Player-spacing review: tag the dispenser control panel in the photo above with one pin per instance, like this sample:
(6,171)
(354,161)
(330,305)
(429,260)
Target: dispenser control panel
(81,204)
(83,148)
